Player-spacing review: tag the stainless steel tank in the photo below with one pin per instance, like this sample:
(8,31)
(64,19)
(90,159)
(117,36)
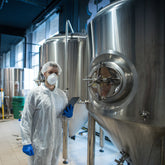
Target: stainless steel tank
(74,62)
(127,77)
(74,65)
(12,83)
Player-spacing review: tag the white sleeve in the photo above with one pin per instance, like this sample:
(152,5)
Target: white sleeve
(26,120)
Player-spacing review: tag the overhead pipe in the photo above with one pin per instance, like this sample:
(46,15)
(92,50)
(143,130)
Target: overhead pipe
(68,24)
(2,3)
(24,62)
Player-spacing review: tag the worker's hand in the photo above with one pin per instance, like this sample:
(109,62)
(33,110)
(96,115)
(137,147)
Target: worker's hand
(68,112)
(28,149)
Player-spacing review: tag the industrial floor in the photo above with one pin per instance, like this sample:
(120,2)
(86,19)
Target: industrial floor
(11,148)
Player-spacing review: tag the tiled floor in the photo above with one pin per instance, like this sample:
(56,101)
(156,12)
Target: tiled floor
(11,153)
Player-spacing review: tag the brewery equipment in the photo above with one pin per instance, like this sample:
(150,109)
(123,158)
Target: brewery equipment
(15,82)
(74,63)
(70,52)
(126,80)
(12,83)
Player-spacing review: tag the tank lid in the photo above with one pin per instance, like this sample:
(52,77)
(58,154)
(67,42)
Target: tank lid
(109,7)
(70,35)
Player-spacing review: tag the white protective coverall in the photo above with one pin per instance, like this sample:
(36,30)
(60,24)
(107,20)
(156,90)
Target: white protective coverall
(41,124)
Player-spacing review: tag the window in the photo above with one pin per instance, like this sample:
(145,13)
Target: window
(7,65)
(94,7)
(1,62)
(38,39)
(19,55)
(47,29)
(54,25)
(4,60)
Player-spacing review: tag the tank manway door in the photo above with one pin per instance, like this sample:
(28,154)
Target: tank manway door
(112,81)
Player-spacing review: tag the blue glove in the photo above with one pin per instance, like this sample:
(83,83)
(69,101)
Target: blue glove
(28,149)
(68,112)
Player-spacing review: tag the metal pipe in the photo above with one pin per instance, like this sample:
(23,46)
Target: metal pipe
(66,56)
(24,63)
(2,3)
(91,140)
(65,128)
(101,140)
(68,24)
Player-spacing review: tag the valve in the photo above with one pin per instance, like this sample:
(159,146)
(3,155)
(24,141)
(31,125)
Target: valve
(122,159)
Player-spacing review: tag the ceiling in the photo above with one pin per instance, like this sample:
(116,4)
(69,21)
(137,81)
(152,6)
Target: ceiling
(18,15)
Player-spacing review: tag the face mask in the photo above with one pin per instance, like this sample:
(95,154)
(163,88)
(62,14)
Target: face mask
(52,79)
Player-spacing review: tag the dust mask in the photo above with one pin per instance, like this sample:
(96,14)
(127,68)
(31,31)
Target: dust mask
(52,79)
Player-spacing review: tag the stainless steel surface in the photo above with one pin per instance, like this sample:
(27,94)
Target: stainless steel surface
(12,83)
(79,118)
(112,81)
(68,24)
(143,143)
(91,141)
(70,52)
(126,46)
(75,64)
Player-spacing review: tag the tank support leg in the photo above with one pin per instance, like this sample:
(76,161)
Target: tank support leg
(101,140)
(65,141)
(91,140)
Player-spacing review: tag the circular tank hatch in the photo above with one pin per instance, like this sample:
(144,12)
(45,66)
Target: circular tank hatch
(112,80)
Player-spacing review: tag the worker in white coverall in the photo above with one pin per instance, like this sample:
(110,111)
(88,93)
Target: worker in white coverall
(41,124)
